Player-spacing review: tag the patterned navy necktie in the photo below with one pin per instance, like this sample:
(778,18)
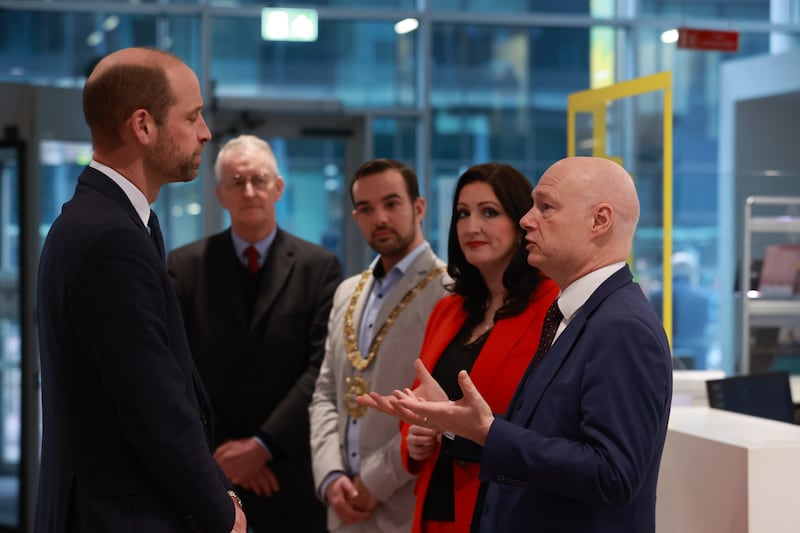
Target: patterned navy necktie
(155,233)
(552,319)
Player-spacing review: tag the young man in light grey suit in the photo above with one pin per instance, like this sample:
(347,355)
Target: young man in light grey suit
(375,331)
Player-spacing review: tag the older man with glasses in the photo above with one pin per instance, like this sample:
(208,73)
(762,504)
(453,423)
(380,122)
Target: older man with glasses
(255,302)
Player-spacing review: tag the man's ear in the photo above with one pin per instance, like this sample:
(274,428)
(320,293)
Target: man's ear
(279,183)
(601,222)
(420,207)
(142,126)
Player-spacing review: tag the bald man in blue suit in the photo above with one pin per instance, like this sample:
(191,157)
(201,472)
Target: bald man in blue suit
(580,447)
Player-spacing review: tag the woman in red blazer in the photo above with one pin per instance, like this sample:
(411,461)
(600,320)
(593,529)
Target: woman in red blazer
(490,326)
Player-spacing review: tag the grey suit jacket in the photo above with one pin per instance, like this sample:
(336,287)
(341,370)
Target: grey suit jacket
(382,469)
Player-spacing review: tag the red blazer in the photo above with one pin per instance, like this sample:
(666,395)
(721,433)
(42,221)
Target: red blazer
(496,372)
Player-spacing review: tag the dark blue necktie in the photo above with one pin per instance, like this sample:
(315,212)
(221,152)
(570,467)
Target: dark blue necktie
(155,233)
(552,319)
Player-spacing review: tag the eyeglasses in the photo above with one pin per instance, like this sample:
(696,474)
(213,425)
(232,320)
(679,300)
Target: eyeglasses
(259,182)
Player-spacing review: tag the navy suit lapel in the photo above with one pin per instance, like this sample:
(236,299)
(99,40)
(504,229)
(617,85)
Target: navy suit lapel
(535,383)
(279,264)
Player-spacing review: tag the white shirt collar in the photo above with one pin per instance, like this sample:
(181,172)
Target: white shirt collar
(136,197)
(575,295)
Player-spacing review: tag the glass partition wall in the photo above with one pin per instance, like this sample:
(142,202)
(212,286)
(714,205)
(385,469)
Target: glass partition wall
(471,81)
(10,335)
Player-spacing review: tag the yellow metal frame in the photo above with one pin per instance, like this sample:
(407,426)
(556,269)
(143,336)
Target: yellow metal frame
(595,101)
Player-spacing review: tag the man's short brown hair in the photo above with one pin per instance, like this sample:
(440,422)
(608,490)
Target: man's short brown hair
(376,166)
(111,98)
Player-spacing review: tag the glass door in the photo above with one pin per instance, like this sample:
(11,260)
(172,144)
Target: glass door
(10,335)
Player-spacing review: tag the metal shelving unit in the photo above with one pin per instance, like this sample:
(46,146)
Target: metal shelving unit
(759,310)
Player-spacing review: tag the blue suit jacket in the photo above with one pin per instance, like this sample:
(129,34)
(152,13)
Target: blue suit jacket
(579,449)
(126,424)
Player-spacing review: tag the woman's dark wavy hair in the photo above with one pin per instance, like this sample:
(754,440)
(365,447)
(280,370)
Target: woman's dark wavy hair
(513,190)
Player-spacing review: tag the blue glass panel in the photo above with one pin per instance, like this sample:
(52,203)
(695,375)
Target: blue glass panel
(751,10)
(514,6)
(372,4)
(58,48)
(10,335)
(501,93)
(363,64)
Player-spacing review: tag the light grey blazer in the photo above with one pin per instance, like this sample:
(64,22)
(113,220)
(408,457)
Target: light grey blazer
(379,446)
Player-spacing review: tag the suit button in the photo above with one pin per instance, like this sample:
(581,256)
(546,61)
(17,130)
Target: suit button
(501,477)
(204,419)
(461,463)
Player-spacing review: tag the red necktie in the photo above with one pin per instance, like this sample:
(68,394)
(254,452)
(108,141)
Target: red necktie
(252,259)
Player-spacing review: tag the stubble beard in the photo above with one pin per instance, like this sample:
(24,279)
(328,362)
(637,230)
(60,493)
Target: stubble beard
(166,160)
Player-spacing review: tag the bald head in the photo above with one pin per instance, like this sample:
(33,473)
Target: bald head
(601,181)
(122,82)
(584,214)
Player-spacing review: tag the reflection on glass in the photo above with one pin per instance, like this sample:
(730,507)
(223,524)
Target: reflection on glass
(61,48)
(180,208)
(364,64)
(372,4)
(750,10)
(582,7)
(10,336)
(311,205)
(61,163)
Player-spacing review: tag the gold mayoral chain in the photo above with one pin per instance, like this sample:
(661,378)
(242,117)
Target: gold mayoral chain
(357,385)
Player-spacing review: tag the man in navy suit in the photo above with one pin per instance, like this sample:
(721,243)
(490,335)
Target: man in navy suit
(580,447)
(126,442)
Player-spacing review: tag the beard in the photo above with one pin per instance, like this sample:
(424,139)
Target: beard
(396,245)
(167,160)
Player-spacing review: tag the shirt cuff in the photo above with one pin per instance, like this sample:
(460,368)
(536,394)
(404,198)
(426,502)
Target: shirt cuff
(330,478)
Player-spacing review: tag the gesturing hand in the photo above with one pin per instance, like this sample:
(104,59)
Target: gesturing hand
(428,389)
(470,417)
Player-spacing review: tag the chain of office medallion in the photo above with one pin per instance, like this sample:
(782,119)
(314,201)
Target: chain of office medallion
(350,341)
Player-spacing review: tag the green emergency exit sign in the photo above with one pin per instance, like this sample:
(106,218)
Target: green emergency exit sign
(281,24)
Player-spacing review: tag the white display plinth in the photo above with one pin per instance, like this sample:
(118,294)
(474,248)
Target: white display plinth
(723,472)
(689,386)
